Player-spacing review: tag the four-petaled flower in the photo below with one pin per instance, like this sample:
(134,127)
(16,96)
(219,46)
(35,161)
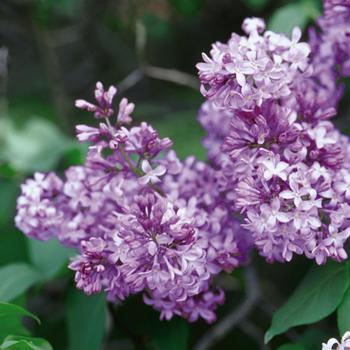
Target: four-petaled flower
(298,52)
(151,175)
(272,213)
(273,167)
(343,185)
(319,135)
(298,192)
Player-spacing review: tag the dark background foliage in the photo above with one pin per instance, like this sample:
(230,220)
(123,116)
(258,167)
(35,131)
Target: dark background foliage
(57,49)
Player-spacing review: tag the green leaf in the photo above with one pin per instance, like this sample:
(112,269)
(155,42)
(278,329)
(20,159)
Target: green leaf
(172,335)
(86,320)
(35,147)
(318,295)
(10,319)
(15,342)
(291,347)
(290,16)
(10,325)
(10,310)
(343,314)
(18,345)
(313,8)
(16,279)
(312,338)
(48,257)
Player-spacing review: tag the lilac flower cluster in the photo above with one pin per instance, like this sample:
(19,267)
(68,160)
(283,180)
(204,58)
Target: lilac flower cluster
(335,30)
(330,55)
(334,344)
(281,162)
(248,70)
(141,220)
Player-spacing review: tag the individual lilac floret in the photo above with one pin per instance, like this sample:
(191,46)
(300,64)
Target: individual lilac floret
(334,344)
(248,70)
(151,175)
(104,99)
(125,110)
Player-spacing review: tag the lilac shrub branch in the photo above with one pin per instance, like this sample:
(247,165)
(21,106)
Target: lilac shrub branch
(173,76)
(227,323)
(164,74)
(145,70)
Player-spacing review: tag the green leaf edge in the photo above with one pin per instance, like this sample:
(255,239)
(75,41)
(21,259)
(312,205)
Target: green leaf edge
(270,335)
(21,311)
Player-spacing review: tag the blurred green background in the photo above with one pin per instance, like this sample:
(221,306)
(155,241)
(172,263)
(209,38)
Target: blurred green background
(53,52)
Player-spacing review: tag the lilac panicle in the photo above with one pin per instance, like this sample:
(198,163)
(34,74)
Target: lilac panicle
(330,44)
(278,158)
(141,220)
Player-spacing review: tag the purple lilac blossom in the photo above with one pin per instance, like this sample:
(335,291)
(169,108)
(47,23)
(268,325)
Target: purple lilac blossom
(38,214)
(335,29)
(278,158)
(248,70)
(330,58)
(142,220)
(213,119)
